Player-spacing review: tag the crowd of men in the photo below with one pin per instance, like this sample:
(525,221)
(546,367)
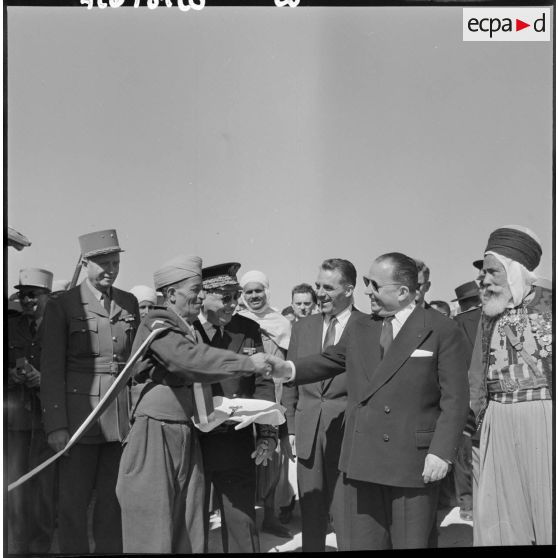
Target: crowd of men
(388,411)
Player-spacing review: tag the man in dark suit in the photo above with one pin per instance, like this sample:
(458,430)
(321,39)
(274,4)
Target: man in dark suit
(227,453)
(468,297)
(88,334)
(406,408)
(315,412)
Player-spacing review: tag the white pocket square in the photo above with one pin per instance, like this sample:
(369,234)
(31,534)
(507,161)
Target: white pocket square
(421,353)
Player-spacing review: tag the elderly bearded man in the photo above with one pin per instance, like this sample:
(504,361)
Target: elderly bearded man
(160,482)
(511,381)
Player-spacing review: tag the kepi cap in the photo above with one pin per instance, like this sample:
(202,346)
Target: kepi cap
(175,270)
(220,275)
(467,290)
(99,243)
(35,277)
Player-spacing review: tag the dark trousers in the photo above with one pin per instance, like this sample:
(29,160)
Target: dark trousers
(320,489)
(161,489)
(379,517)
(463,475)
(89,467)
(231,471)
(31,506)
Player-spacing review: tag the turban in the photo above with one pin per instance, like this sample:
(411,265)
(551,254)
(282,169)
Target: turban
(142,292)
(516,243)
(254,277)
(177,269)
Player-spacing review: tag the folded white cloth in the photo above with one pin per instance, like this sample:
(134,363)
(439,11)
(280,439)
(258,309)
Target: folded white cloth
(243,411)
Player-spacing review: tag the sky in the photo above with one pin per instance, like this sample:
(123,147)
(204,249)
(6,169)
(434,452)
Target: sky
(274,137)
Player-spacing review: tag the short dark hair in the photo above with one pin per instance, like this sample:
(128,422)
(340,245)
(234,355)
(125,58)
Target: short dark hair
(405,270)
(442,304)
(423,268)
(304,288)
(345,268)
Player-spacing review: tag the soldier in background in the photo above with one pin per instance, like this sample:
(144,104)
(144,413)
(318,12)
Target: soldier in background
(30,506)
(88,334)
(147,298)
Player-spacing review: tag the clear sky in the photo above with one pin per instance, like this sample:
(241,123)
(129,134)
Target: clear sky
(275,137)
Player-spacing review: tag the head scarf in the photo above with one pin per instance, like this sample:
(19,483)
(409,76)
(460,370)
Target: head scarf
(143,292)
(179,268)
(271,322)
(520,279)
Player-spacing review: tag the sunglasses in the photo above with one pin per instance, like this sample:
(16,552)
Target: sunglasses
(29,294)
(375,287)
(226,297)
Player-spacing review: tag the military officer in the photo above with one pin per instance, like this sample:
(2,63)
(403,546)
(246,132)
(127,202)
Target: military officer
(160,482)
(233,478)
(30,506)
(88,335)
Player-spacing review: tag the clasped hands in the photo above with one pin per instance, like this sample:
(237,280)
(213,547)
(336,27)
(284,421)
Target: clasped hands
(271,366)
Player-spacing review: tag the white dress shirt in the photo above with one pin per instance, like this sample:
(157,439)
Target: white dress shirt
(342,319)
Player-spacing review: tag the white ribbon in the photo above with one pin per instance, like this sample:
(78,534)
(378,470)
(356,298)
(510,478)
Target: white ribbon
(105,401)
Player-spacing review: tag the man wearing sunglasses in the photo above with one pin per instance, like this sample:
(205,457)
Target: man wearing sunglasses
(406,408)
(227,452)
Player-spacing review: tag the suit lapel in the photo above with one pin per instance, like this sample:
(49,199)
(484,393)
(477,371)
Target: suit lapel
(88,298)
(411,335)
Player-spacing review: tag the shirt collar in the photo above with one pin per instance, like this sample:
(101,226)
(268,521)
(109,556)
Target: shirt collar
(401,316)
(96,292)
(342,317)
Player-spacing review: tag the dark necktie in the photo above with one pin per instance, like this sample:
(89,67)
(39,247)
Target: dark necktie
(33,328)
(217,340)
(329,338)
(386,337)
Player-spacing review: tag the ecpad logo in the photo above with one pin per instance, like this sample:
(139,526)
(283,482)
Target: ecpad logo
(506,24)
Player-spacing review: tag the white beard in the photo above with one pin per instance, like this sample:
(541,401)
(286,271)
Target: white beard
(495,303)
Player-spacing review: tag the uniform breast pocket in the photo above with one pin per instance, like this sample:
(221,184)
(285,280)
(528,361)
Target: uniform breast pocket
(84,337)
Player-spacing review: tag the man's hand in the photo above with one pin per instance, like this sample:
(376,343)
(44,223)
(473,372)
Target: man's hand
(281,369)
(32,377)
(264,451)
(289,447)
(58,439)
(260,361)
(16,375)
(435,468)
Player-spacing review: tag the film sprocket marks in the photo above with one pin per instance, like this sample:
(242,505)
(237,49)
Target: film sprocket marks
(183,6)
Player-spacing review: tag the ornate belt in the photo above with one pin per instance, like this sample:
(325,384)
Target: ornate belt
(509,385)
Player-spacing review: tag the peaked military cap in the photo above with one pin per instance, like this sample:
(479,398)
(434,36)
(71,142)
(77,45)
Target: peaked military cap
(99,243)
(220,275)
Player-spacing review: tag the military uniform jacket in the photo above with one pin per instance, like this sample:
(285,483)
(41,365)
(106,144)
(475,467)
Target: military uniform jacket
(173,362)
(84,348)
(411,403)
(23,405)
(241,335)
(324,400)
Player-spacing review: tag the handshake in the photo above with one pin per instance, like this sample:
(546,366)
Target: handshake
(271,366)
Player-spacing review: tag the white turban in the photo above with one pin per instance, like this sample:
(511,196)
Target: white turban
(143,292)
(254,277)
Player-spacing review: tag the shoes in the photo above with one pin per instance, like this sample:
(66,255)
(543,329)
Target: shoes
(273,527)
(466,515)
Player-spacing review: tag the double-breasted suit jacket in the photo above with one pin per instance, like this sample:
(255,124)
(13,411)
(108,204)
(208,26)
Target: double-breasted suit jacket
(411,403)
(84,348)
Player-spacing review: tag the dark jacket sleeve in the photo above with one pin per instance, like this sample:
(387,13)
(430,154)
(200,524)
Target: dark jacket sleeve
(53,366)
(193,362)
(290,391)
(322,366)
